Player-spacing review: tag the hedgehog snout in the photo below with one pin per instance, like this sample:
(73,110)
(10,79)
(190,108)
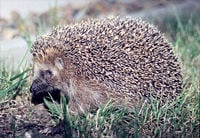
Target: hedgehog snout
(38,86)
(41,90)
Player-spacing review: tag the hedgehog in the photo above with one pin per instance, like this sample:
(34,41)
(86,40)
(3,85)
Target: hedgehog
(125,60)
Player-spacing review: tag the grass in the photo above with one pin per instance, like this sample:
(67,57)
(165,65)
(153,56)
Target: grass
(177,119)
(12,82)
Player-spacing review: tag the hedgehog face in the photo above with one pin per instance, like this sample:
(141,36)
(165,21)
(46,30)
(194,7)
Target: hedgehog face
(46,81)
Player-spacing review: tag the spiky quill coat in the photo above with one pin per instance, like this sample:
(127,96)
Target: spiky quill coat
(127,60)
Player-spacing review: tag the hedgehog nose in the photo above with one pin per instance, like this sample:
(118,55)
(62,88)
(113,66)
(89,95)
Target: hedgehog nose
(32,88)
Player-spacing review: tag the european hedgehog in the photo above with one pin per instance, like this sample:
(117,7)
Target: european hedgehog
(123,59)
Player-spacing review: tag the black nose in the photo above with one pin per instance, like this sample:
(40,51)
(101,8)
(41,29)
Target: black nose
(35,85)
(32,88)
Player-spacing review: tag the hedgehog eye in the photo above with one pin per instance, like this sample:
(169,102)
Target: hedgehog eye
(46,74)
(49,73)
(42,74)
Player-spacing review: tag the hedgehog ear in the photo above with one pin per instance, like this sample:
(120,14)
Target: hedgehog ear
(59,63)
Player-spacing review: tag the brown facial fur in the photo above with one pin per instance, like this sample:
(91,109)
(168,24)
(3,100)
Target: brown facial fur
(125,60)
(82,94)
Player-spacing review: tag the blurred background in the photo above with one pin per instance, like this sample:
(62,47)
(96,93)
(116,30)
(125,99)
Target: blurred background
(22,20)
